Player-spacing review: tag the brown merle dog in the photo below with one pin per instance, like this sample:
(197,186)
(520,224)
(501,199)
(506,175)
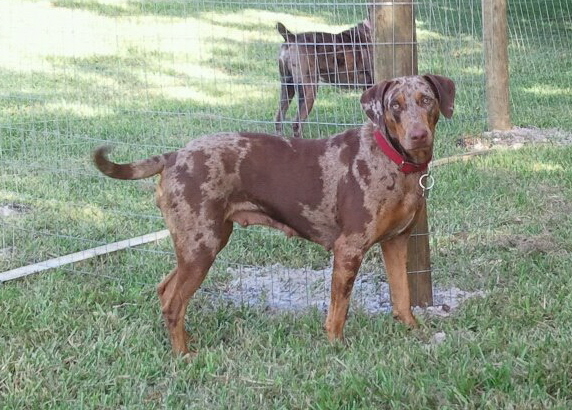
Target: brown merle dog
(347,193)
(343,59)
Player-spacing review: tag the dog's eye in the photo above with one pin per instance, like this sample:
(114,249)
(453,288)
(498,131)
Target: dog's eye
(426,100)
(395,106)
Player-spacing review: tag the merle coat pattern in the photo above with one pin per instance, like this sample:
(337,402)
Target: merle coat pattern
(342,192)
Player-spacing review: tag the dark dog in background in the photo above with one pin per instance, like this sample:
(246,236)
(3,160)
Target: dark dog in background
(343,59)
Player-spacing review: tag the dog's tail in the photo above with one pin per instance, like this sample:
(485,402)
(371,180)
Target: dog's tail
(135,170)
(284,32)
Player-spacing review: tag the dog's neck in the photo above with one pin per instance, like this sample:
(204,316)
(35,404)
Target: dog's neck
(395,143)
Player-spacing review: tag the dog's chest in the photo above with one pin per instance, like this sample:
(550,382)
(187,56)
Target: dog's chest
(395,218)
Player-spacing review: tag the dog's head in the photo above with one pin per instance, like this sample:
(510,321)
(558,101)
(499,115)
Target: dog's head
(406,109)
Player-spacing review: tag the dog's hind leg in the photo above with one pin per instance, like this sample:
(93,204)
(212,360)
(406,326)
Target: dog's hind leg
(193,262)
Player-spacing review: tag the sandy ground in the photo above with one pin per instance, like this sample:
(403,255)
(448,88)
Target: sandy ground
(279,288)
(515,138)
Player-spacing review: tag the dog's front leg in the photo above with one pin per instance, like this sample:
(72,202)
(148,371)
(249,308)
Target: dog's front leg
(306,96)
(395,259)
(287,92)
(347,260)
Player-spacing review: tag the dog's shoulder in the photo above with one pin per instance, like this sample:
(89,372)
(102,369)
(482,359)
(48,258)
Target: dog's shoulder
(349,137)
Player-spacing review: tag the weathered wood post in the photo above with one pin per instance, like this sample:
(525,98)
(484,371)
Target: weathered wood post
(395,40)
(394,55)
(495,42)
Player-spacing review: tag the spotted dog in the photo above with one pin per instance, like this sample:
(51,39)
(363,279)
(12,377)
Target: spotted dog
(347,193)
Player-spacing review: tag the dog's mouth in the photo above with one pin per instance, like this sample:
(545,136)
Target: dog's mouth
(418,151)
(420,155)
(417,139)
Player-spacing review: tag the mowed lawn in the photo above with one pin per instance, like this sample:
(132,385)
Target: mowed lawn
(147,77)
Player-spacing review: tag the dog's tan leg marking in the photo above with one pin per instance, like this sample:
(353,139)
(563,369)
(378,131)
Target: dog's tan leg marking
(347,260)
(395,258)
(172,306)
(180,285)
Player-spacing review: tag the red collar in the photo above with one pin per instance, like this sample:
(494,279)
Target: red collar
(404,166)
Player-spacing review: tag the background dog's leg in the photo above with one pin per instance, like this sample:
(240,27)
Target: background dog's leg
(306,97)
(395,259)
(287,91)
(347,261)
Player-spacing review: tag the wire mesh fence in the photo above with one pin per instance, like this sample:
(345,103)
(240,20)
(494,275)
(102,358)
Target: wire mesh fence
(148,76)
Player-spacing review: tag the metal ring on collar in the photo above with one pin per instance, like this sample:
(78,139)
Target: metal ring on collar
(426,181)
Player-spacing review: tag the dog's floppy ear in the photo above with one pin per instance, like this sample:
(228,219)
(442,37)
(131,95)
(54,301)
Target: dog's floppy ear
(372,101)
(445,90)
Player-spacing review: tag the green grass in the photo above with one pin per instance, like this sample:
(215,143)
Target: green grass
(99,342)
(147,76)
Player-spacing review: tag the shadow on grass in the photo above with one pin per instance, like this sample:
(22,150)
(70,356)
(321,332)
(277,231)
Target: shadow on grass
(236,77)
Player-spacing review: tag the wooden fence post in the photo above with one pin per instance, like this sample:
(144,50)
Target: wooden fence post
(395,40)
(394,55)
(495,42)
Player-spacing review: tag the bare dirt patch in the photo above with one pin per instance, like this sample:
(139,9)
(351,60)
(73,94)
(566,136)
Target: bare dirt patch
(13,209)
(517,137)
(530,244)
(279,288)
